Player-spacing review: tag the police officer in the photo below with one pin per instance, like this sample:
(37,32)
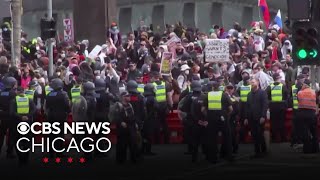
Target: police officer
(90,97)
(199,123)
(22,109)
(150,118)
(217,105)
(296,136)
(233,118)
(278,96)
(34,92)
(307,103)
(6,96)
(126,130)
(57,108)
(161,97)
(75,91)
(102,108)
(139,80)
(243,90)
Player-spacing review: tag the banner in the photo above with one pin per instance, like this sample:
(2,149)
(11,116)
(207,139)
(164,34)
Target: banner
(68,30)
(217,50)
(166,63)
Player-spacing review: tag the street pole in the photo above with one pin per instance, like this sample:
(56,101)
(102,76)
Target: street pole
(16,32)
(49,41)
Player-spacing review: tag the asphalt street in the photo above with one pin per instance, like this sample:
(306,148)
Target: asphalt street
(170,163)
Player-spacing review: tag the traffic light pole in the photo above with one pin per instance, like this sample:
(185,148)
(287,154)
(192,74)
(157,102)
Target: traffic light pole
(16,32)
(49,42)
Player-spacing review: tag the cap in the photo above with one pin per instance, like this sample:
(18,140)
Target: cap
(300,76)
(124,94)
(20,89)
(230,86)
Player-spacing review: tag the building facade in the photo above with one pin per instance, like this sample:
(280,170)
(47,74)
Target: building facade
(92,17)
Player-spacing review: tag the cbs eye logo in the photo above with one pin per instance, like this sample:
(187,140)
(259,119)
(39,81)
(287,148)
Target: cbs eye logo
(23,128)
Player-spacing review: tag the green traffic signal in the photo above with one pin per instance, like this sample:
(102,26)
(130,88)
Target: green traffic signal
(302,54)
(313,53)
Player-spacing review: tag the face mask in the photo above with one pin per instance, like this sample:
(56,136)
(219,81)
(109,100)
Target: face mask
(115,28)
(38,56)
(37,48)
(58,73)
(187,72)
(63,55)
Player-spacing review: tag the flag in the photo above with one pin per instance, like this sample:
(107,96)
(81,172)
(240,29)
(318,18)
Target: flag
(265,11)
(277,20)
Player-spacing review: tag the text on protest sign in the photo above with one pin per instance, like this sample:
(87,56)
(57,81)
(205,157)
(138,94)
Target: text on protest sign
(217,50)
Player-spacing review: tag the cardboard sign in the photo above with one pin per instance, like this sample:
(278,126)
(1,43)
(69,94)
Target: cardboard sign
(166,63)
(172,43)
(95,51)
(217,50)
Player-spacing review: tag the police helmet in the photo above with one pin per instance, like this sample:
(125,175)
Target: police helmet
(196,86)
(149,89)
(100,84)
(88,87)
(132,86)
(56,84)
(33,83)
(9,82)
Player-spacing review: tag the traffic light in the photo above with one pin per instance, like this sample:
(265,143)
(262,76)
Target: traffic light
(306,49)
(48,28)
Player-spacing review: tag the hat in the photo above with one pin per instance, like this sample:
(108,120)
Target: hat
(113,24)
(214,84)
(185,67)
(276,76)
(125,93)
(245,71)
(300,76)
(258,31)
(230,86)
(104,46)
(20,89)
(307,82)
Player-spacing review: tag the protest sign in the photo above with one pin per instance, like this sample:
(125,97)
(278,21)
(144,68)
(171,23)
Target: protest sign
(217,50)
(172,43)
(95,51)
(166,63)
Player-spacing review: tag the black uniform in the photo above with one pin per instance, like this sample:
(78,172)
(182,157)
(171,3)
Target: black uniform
(17,118)
(217,121)
(126,136)
(198,128)
(91,111)
(102,109)
(234,123)
(149,127)
(257,107)
(57,108)
(278,113)
(6,123)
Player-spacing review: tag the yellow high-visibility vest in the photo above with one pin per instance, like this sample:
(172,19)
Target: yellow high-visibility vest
(294,97)
(140,88)
(160,92)
(75,93)
(47,90)
(22,104)
(214,100)
(29,93)
(276,92)
(244,91)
